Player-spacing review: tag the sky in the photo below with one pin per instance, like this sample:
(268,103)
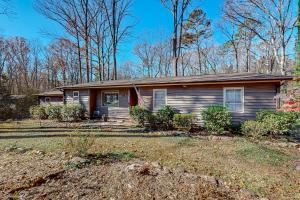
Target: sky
(151,19)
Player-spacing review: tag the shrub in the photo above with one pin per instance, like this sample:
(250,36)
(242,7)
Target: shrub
(139,114)
(38,112)
(280,122)
(165,117)
(216,118)
(263,113)
(79,144)
(184,122)
(6,113)
(72,112)
(270,122)
(54,112)
(255,129)
(153,121)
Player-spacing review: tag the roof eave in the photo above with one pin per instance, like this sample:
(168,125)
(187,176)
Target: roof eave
(278,80)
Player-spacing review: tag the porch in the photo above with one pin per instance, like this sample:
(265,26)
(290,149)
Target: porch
(111,103)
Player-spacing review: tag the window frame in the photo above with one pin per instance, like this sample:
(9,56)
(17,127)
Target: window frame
(76,96)
(242,98)
(49,99)
(166,98)
(114,91)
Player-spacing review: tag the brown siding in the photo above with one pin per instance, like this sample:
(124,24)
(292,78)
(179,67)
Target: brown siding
(83,98)
(193,99)
(114,112)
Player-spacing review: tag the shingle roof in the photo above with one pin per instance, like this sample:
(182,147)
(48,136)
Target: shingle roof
(203,79)
(51,93)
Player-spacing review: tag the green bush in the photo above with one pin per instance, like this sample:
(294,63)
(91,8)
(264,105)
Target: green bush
(38,112)
(6,113)
(280,122)
(153,121)
(270,122)
(254,129)
(263,113)
(54,111)
(184,122)
(72,112)
(165,117)
(216,118)
(79,144)
(139,114)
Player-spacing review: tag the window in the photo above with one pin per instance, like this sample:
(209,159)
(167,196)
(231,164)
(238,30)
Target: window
(159,98)
(234,99)
(47,99)
(76,96)
(110,99)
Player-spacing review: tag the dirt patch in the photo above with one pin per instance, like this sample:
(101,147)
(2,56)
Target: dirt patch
(27,176)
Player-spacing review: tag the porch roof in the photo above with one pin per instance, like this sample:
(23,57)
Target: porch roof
(186,80)
(52,93)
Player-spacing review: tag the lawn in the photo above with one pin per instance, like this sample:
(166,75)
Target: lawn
(266,170)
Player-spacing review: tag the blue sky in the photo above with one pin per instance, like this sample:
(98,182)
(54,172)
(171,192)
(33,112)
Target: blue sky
(151,18)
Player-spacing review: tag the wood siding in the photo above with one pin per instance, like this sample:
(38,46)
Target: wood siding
(194,99)
(53,100)
(114,112)
(83,98)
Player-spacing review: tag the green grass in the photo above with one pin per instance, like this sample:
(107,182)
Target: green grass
(263,155)
(266,170)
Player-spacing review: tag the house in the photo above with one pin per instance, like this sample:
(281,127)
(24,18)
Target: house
(51,97)
(243,93)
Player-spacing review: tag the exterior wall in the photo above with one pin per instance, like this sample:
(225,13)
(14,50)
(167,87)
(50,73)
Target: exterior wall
(53,100)
(83,98)
(114,112)
(192,99)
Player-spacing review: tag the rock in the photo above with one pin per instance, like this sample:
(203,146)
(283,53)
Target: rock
(133,167)
(283,144)
(22,150)
(78,160)
(292,144)
(39,152)
(246,193)
(210,179)
(181,170)
(156,164)
(298,167)
(63,154)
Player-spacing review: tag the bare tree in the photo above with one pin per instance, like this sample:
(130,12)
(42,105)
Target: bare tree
(76,17)
(6,8)
(274,22)
(116,11)
(178,8)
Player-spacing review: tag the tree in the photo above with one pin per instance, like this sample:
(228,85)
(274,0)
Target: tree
(76,17)
(196,29)
(178,8)
(229,30)
(147,54)
(116,12)
(274,22)
(6,8)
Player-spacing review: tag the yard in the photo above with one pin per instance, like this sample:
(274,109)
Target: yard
(265,169)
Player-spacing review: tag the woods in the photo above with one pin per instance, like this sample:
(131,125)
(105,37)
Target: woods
(257,35)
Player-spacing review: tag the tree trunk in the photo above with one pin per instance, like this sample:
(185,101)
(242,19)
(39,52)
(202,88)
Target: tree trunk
(79,56)
(114,40)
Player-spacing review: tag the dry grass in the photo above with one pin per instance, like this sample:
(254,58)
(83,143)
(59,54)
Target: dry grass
(266,170)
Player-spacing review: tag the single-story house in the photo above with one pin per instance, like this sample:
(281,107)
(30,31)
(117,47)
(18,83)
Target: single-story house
(51,97)
(243,93)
